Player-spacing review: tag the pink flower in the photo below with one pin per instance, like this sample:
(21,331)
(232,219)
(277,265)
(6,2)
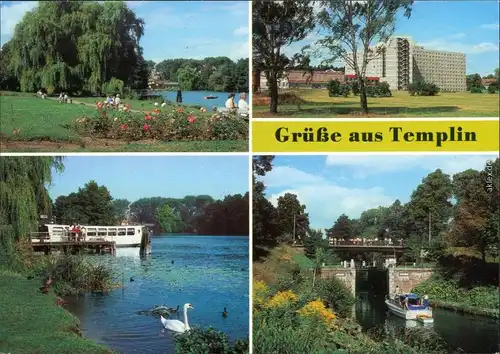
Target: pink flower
(123,127)
(192,119)
(146,127)
(179,110)
(148,117)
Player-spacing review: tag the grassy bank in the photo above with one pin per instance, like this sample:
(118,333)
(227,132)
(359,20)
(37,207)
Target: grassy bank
(448,294)
(317,103)
(30,124)
(31,322)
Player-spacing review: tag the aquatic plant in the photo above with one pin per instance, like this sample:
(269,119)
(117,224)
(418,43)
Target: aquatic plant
(208,341)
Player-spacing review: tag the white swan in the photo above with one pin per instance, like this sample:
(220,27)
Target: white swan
(176,325)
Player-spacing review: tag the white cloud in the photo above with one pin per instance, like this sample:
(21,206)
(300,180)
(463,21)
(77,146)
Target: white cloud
(491,26)
(241,31)
(446,44)
(11,15)
(364,166)
(325,201)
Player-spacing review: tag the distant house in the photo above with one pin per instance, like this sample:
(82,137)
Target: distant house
(487,82)
(314,79)
(370,80)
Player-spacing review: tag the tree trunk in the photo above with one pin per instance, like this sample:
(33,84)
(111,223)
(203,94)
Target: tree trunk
(362,96)
(273,85)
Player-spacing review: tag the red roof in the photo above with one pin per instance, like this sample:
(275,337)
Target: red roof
(375,78)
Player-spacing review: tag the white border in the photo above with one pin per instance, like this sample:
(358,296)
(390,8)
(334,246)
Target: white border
(250,184)
(355,120)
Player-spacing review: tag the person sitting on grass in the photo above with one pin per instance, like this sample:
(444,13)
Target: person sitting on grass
(117,101)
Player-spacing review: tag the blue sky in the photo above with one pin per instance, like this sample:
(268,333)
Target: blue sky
(333,185)
(470,27)
(174,29)
(134,177)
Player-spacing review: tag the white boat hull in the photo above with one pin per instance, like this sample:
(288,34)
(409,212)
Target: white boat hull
(407,314)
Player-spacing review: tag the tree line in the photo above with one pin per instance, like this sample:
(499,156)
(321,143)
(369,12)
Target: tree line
(209,74)
(203,215)
(475,84)
(462,210)
(81,47)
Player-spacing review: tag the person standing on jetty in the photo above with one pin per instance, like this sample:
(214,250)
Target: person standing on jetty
(179,96)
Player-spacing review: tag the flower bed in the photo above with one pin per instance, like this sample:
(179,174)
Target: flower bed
(166,125)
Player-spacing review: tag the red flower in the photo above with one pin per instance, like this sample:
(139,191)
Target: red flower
(192,119)
(179,109)
(123,127)
(156,111)
(146,127)
(99,105)
(104,114)
(148,117)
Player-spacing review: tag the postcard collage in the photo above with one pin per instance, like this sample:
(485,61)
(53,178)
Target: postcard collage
(249,177)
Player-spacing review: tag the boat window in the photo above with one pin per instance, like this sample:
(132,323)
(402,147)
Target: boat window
(111,232)
(122,232)
(102,232)
(130,231)
(57,230)
(43,228)
(91,231)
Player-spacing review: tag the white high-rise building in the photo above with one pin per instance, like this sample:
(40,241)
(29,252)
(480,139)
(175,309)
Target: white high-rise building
(401,62)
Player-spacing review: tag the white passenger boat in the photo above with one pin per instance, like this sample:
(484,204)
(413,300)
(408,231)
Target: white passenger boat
(123,235)
(410,307)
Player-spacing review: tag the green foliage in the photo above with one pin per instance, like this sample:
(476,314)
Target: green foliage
(355,88)
(175,124)
(492,88)
(286,22)
(341,229)
(78,46)
(112,87)
(210,74)
(473,81)
(476,90)
(336,294)
(90,205)
(423,89)
(23,194)
(292,220)
(167,218)
(208,341)
(120,209)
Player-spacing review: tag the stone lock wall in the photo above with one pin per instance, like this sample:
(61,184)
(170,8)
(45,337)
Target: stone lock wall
(347,275)
(407,279)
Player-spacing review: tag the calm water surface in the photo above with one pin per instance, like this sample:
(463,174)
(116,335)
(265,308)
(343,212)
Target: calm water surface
(473,334)
(197,98)
(209,272)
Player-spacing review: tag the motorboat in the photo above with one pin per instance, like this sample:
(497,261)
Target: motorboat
(211,97)
(410,307)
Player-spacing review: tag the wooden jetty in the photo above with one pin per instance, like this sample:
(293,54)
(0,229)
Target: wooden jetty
(75,247)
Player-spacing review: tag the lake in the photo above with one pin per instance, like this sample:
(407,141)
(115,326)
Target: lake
(197,98)
(210,272)
(473,334)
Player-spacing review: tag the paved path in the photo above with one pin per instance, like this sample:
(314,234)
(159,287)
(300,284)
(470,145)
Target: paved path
(88,104)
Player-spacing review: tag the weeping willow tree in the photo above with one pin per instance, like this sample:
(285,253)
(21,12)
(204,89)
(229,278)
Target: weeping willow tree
(23,194)
(77,46)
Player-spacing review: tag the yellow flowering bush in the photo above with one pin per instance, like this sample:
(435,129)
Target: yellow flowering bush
(260,292)
(281,298)
(317,309)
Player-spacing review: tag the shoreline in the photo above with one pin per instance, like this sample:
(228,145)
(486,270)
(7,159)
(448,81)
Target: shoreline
(464,309)
(35,323)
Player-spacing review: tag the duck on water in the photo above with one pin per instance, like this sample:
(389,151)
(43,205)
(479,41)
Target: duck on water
(410,307)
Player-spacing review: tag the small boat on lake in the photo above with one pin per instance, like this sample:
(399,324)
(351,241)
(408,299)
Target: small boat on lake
(211,97)
(410,307)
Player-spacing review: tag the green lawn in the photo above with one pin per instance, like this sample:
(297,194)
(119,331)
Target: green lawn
(319,105)
(30,322)
(45,126)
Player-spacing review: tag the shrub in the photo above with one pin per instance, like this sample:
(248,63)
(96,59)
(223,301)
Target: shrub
(423,89)
(382,89)
(336,294)
(355,88)
(333,88)
(492,88)
(208,341)
(171,125)
(344,90)
(112,87)
(476,90)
